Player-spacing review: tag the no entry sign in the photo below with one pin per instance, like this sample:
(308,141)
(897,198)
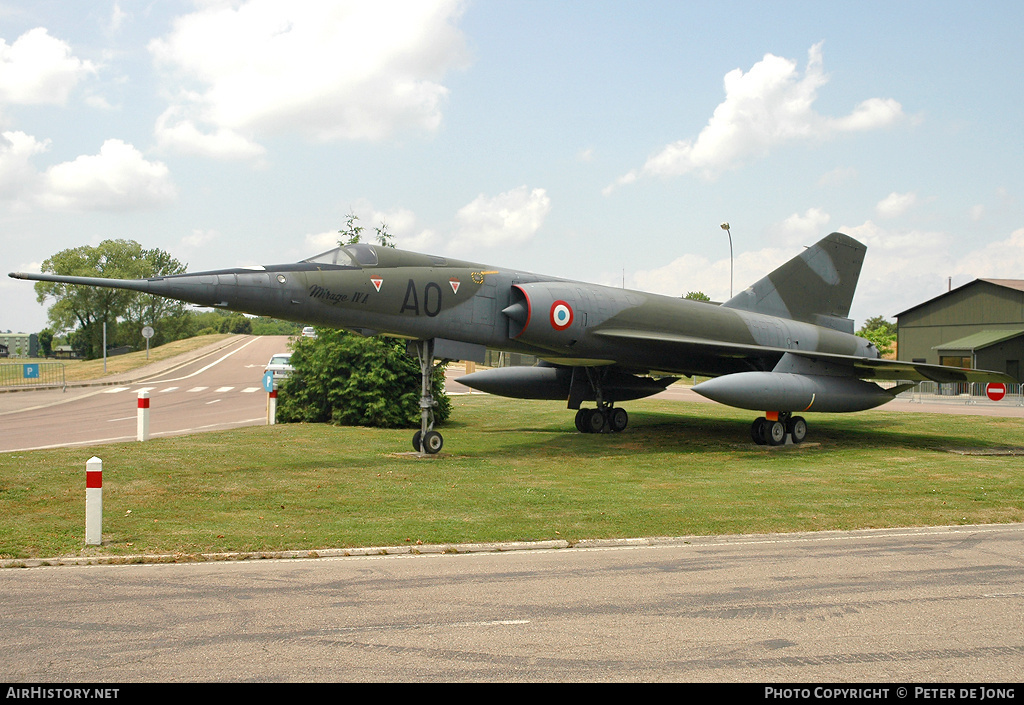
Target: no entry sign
(996,391)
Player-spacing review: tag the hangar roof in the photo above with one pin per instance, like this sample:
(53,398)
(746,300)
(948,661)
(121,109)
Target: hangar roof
(979,341)
(1015,284)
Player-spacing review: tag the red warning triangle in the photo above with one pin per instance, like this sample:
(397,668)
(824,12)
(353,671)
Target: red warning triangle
(455,285)
(376,281)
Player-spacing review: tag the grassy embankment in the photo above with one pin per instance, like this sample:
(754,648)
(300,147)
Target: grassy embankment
(88,370)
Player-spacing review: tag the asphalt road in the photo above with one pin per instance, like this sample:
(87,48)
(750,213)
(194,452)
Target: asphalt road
(932,605)
(218,389)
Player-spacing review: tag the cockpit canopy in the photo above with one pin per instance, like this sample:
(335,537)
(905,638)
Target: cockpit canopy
(358,255)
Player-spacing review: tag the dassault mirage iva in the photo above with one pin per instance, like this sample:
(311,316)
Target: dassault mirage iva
(784,346)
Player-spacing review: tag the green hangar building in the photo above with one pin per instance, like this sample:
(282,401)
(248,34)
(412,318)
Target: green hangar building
(980,325)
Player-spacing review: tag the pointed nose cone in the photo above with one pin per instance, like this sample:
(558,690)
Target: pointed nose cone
(518,312)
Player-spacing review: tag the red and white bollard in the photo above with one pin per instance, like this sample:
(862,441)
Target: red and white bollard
(94,501)
(143,426)
(272,408)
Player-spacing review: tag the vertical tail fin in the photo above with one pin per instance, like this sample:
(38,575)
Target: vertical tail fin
(816,286)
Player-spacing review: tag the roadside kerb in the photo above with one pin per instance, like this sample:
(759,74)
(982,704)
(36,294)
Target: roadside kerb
(503,547)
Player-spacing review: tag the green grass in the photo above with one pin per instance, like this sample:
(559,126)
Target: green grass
(511,470)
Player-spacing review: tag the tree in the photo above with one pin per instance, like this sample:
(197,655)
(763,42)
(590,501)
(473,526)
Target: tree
(83,310)
(353,232)
(881,332)
(46,342)
(697,296)
(346,379)
(236,323)
(167,317)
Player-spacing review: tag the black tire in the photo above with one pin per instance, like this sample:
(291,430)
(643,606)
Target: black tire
(757,431)
(618,419)
(775,433)
(581,417)
(433,442)
(595,421)
(797,428)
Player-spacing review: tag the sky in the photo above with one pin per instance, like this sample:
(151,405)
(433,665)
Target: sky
(596,140)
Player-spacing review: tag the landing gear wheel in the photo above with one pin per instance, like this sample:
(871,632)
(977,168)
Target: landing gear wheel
(581,420)
(797,429)
(594,421)
(774,433)
(618,419)
(432,442)
(757,431)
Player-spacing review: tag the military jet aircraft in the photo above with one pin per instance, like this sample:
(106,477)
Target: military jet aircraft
(784,346)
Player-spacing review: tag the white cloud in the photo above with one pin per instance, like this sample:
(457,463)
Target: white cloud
(1003,259)
(798,230)
(320,242)
(509,218)
(895,204)
(838,176)
(199,238)
(336,70)
(182,135)
(17,174)
(696,273)
(767,106)
(118,178)
(38,69)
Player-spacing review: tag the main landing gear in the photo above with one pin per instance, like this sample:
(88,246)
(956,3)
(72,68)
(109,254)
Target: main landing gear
(775,427)
(427,441)
(606,418)
(609,419)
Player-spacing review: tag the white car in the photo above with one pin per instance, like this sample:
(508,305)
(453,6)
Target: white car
(280,365)
(309,332)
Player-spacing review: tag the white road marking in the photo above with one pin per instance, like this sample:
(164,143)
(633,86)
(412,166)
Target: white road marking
(219,360)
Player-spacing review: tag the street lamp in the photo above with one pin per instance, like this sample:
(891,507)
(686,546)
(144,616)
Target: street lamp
(725,227)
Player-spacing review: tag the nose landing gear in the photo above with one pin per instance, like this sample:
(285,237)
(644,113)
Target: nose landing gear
(427,441)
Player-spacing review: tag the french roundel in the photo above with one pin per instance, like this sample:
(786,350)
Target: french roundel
(561,315)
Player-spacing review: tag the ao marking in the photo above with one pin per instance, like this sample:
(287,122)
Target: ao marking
(432,296)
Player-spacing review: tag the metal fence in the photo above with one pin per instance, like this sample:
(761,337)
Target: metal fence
(32,374)
(963,393)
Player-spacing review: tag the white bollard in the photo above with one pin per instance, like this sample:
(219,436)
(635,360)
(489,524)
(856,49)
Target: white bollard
(94,501)
(272,408)
(143,430)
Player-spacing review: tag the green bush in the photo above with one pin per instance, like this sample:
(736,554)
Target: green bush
(347,380)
